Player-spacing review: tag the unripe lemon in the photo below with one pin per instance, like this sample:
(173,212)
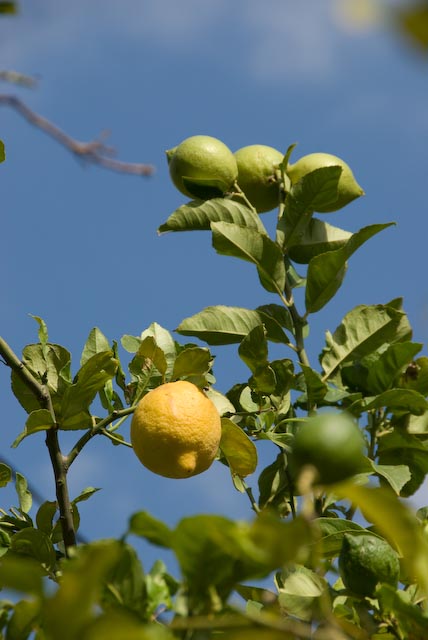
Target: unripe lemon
(256,175)
(348,187)
(332,444)
(365,561)
(176,430)
(206,160)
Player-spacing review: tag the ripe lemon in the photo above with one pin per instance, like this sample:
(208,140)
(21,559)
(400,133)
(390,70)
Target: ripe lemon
(366,560)
(348,187)
(256,175)
(207,161)
(332,443)
(176,430)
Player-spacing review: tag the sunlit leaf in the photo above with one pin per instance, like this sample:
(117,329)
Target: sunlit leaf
(319,237)
(5,474)
(239,451)
(38,420)
(146,526)
(34,544)
(24,495)
(95,343)
(192,361)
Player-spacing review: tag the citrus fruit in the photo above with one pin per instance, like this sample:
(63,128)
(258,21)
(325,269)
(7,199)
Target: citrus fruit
(332,443)
(256,175)
(348,187)
(366,560)
(176,430)
(202,167)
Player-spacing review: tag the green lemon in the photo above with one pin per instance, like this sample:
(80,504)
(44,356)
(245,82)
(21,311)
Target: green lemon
(256,175)
(332,443)
(202,167)
(348,187)
(365,561)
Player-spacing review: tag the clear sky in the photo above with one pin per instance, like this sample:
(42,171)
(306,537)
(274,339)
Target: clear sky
(79,245)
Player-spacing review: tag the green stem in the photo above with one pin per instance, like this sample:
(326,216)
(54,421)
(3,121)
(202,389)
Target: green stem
(250,495)
(57,459)
(240,194)
(99,428)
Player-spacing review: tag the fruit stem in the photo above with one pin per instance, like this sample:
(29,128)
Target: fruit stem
(250,495)
(238,192)
(57,459)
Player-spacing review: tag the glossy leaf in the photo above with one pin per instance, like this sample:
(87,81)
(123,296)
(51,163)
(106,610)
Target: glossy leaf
(239,451)
(252,246)
(198,216)
(228,325)
(327,270)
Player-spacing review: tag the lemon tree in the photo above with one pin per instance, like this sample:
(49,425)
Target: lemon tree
(339,550)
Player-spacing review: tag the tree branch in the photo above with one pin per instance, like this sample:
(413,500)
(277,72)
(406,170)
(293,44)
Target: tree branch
(58,462)
(94,152)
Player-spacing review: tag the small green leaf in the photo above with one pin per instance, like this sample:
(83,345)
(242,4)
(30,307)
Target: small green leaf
(150,350)
(299,590)
(2,152)
(45,516)
(24,495)
(397,475)
(385,370)
(228,325)
(332,532)
(130,343)
(24,619)
(404,400)
(43,330)
(165,342)
(198,216)
(39,420)
(239,451)
(85,495)
(252,246)
(5,474)
(95,343)
(316,389)
(21,573)
(144,525)
(8,8)
(35,544)
(253,349)
(192,361)
(327,270)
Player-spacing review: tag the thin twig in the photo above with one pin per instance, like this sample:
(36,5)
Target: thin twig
(94,152)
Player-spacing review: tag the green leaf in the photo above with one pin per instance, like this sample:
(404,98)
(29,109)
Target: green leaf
(35,544)
(43,330)
(90,379)
(2,152)
(149,349)
(165,342)
(400,448)
(85,495)
(327,270)
(239,451)
(96,343)
(38,420)
(76,598)
(144,525)
(25,618)
(316,389)
(45,516)
(279,314)
(198,216)
(8,8)
(252,246)
(5,474)
(411,619)
(24,496)
(397,475)
(332,532)
(385,370)
(263,380)
(299,590)
(253,349)
(192,361)
(319,237)
(228,325)
(125,585)
(130,343)
(221,402)
(397,400)
(21,573)
(362,331)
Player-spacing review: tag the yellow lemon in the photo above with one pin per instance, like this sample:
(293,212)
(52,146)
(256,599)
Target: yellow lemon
(176,430)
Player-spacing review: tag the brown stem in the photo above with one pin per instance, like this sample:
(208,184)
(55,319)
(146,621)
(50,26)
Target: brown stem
(95,152)
(58,462)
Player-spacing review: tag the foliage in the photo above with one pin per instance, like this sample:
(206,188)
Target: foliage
(369,368)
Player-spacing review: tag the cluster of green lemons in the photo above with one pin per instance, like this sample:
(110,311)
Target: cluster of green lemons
(204,167)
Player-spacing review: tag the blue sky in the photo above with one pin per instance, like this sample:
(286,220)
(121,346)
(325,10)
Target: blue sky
(79,244)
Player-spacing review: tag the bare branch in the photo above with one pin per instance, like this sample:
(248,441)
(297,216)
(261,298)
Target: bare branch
(94,152)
